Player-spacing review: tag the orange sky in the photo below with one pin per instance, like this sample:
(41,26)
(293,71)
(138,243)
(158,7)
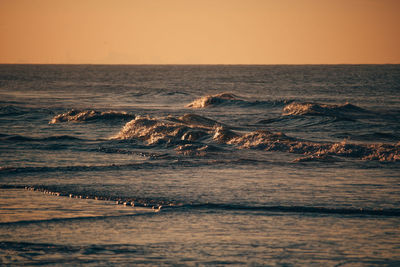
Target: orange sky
(200,32)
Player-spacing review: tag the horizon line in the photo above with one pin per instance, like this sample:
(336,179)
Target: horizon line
(199,64)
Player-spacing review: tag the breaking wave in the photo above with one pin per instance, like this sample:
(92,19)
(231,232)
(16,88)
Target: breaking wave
(89,115)
(316,109)
(217,99)
(314,150)
(189,127)
(206,134)
(230,99)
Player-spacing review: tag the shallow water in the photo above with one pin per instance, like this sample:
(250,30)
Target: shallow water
(295,165)
(205,237)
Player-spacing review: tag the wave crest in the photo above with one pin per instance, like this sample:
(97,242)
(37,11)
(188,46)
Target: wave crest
(315,151)
(189,127)
(89,115)
(259,139)
(210,100)
(227,99)
(316,109)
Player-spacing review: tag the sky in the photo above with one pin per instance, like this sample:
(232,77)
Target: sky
(200,32)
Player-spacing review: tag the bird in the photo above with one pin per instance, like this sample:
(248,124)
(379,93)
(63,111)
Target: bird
(156,209)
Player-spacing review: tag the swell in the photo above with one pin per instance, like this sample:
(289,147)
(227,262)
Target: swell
(32,254)
(293,108)
(152,155)
(296,122)
(321,151)
(338,112)
(10,110)
(298,209)
(165,161)
(228,99)
(21,138)
(189,127)
(165,205)
(15,110)
(37,249)
(371,137)
(83,168)
(99,217)
(307,108)
(60,191)
(196,135)
(90,115)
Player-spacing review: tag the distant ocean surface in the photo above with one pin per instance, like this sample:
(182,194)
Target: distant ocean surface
(200,165)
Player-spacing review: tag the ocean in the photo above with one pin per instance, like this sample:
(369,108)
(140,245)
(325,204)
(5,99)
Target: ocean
(200,165)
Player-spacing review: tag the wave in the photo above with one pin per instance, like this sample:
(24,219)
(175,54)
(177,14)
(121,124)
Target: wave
(230,99)
(10,110)
(165,161)
(192,128)
(317,109)
(18,109)
(374,136)
(148,155)
(31,254)
(90,115)
(21,138)
(79,168)
(314,150)
(298,209)
(170,130)
(173,93)
(59,191)
(175,130)
(316,158)
(159,204)
(196,149)
(210,100)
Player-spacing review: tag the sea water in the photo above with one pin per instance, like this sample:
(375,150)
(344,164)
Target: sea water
(200,165)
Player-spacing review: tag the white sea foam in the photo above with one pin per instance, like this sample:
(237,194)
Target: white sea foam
(189,127)
(210,100)
(194,128)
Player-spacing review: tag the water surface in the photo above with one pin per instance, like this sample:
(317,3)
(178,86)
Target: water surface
(200,165)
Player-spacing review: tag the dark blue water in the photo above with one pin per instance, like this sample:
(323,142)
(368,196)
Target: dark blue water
(200,165)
